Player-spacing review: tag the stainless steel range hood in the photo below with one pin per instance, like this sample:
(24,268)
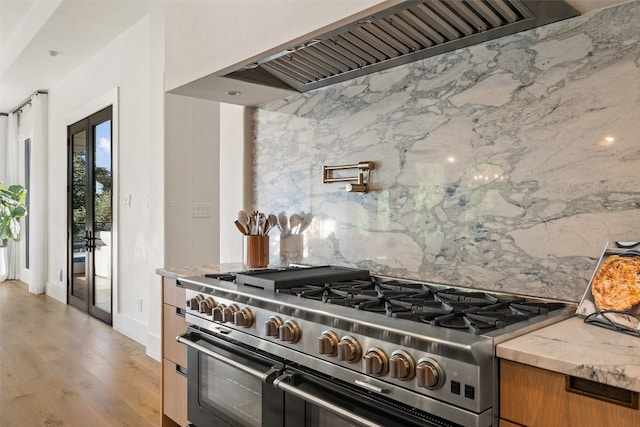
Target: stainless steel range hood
(406,32)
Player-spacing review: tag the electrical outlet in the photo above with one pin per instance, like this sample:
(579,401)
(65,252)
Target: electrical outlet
(60,275)
(140,305)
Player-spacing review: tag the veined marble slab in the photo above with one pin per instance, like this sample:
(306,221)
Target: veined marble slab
(574,348)
(492,165)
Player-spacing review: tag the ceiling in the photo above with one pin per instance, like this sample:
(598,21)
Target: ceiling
(60,35)
(75,29)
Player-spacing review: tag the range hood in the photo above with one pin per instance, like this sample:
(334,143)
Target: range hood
(405,32)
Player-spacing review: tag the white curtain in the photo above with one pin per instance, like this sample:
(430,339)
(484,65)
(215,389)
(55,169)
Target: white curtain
(11,177)
(4,122)
(38,195)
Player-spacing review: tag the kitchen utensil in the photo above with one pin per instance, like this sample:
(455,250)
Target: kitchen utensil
(241,227)
(305,222)
(283,222)
(243,218)
(272,220)
(294,223)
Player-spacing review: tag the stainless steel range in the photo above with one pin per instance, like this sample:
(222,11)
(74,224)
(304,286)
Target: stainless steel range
(334,345)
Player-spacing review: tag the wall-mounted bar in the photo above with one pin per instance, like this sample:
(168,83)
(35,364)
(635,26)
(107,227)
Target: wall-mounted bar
(361,180)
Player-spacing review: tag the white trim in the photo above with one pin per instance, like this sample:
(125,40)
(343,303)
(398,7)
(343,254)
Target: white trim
(154,346)
(131,327)
(100,103)
(57,290)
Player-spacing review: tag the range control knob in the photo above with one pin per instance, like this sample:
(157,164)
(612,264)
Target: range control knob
(227,313)
(205,306)
(429,374)
(272,326)
(376,362)
(290,332)
(244,318)
(402,366)
(349,350)
(193,303)
(328,343)
(217,312)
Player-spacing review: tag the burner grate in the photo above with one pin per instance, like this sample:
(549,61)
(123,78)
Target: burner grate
(474,311)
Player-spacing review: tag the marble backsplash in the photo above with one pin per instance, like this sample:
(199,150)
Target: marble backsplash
(504,166)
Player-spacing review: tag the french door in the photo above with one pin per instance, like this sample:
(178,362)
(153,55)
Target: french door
(89,286)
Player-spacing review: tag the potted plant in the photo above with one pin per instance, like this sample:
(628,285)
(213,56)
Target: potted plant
(12,208)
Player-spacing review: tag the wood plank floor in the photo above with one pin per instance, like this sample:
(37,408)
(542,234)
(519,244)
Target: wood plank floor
(61,367)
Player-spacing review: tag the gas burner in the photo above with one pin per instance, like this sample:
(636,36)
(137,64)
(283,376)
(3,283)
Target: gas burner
(403,287)
(468,298)
(474,311)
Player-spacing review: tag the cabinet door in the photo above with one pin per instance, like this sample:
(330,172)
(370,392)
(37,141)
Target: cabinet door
(536,397)
(174,398)
(174,325)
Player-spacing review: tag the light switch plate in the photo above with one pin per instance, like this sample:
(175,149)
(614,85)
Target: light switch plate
(202,210)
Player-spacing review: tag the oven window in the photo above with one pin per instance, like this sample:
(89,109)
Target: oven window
(231,393)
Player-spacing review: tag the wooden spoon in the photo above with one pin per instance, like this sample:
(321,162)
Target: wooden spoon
(272,220)
(240,227)
(284,223)
(243,218)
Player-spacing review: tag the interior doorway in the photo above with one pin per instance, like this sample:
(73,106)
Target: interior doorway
(90,222)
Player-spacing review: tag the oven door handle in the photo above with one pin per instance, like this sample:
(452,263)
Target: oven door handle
(266,377)
(282,384)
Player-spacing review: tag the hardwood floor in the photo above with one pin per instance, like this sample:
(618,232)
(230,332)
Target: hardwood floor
(61,367)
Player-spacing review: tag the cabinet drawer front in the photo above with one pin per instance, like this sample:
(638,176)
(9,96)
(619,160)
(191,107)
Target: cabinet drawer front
(174,393)
(174,325)
(173,294)
(536,397)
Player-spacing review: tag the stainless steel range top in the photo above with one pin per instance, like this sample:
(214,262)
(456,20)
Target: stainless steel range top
(426,345)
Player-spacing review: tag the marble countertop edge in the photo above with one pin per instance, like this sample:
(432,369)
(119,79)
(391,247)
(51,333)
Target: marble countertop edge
(573,348)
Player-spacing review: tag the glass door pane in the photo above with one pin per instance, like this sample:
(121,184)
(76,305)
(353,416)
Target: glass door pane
(90,215)
(79,285)
(102,223)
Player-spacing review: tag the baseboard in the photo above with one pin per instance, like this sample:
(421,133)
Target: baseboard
(154,346)
(56,291)
(130,327)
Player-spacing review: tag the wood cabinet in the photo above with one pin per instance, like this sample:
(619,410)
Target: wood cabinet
(535,397)
(174,355)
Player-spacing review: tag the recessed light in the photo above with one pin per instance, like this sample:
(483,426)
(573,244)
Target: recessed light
(451,159)
(233,92)
(53,53)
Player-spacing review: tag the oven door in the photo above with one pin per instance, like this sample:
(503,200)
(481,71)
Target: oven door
(329,402)
(229,383)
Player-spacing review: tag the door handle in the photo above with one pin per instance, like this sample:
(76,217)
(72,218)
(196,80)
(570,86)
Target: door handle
(282,384)
(90,241)
(265,377)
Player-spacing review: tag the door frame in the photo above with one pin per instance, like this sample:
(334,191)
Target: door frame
(110,98)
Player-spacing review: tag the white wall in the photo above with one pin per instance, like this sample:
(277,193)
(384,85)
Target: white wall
(133,64)
(236,160)
(204,37)
(192,181)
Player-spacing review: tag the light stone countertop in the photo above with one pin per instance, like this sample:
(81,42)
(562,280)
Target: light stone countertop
(574,348)
(198,270)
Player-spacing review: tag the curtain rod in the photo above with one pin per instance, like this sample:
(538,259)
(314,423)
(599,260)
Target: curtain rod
(28,100)
(4,114)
